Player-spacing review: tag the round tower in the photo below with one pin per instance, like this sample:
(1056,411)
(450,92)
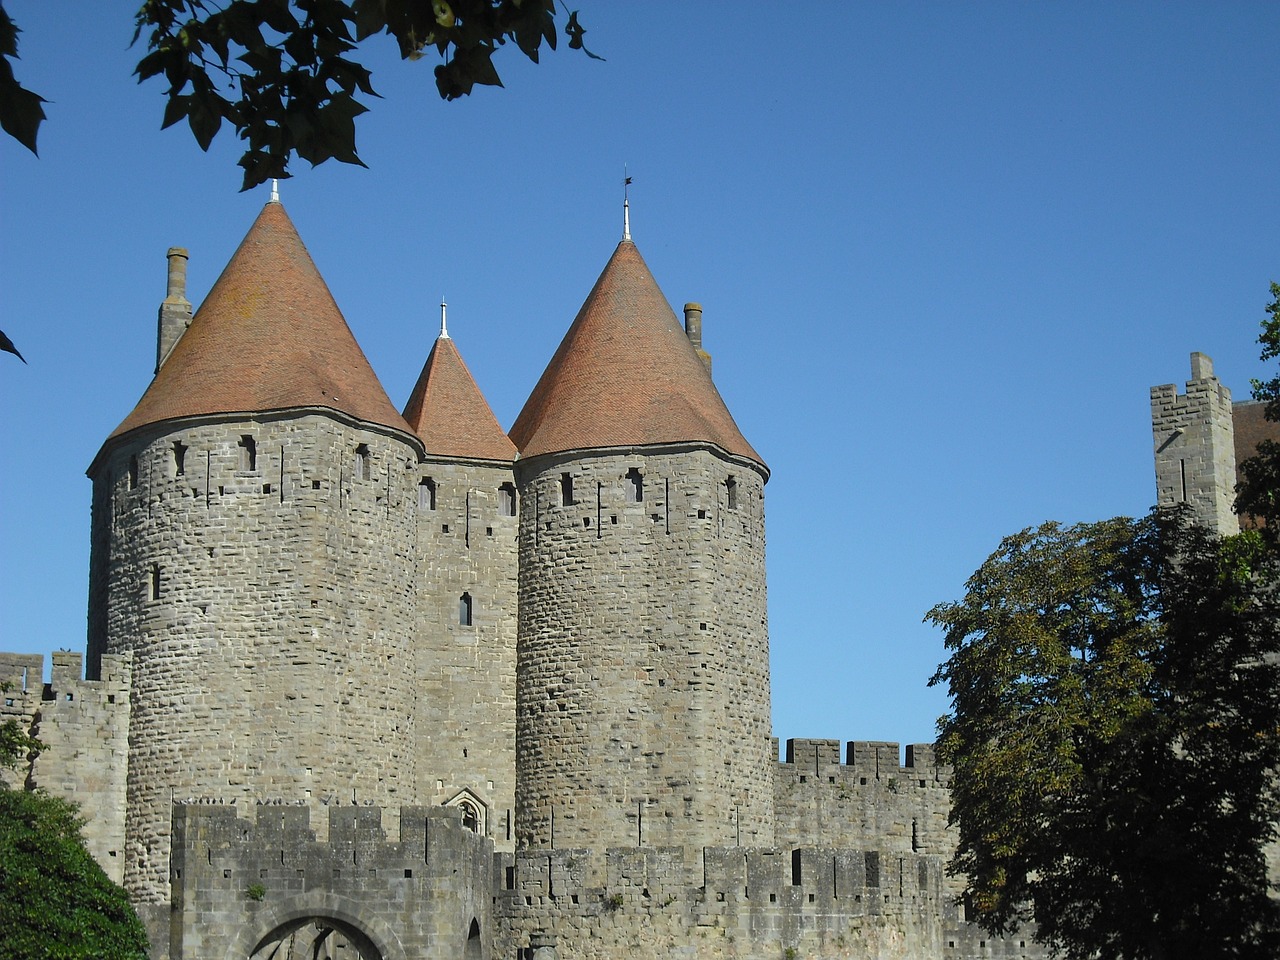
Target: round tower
(254,546)
(642,697)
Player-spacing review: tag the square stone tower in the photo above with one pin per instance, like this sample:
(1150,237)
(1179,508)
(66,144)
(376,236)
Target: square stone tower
(1194,443)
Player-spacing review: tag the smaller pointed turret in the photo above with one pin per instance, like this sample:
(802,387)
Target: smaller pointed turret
(447,410)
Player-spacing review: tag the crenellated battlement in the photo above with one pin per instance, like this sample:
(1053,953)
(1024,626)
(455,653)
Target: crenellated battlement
(1194,441)
(245,881)
(760,901)
(84,726)
(279,838)
(864,794)
(865,759)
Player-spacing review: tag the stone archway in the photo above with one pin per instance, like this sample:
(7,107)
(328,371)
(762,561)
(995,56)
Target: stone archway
(315,938)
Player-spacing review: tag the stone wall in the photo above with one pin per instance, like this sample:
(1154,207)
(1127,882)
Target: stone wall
(643,677)
(466,688)
(764,903)
(872,799)
(84,725)
(243,887)
(262,572)
(1195,448)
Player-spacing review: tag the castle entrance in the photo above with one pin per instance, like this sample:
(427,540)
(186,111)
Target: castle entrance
(315,938)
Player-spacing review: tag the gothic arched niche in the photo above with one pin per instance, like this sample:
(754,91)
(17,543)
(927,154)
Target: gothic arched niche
(474,811)
(315,938)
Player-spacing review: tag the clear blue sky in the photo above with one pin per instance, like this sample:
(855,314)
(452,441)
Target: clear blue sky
(943,249)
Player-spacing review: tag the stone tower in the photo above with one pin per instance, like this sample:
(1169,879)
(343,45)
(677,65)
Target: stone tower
(1193,435)
(254,548)
(466,620)
(642,694)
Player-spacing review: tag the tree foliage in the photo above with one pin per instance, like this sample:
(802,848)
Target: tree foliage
(55,901)
(1258,491)
(20,110)
(1115,738)
(283,73)
(16,744)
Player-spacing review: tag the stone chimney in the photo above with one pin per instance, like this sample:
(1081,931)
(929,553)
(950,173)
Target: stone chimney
(175,309)
(693,330)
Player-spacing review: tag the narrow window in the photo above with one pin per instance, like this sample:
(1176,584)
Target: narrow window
(507,500)
(566,489)
(362,462)
(426,494)
(155,581)
(635,486)
(179,458)
(464,610)
(248,454)
(133,472)
(731,488)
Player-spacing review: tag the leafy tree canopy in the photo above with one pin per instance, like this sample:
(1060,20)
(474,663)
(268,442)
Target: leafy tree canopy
(55,901)
(1258,491)
(20,110)
(1115,738)
(284,73)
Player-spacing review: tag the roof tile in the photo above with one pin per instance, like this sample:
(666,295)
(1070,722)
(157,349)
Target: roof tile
(447,410)
(626,375)
(267,337)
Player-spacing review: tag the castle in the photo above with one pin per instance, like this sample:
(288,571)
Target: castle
(374,684)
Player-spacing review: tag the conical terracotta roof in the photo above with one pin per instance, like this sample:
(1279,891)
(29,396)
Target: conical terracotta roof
(449,413)
(267,337)
(625,375)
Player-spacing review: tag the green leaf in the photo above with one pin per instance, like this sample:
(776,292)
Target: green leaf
(21,112)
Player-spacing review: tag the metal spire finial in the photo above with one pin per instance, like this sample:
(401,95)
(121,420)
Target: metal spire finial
(275,191)
(626,205)
(444,329)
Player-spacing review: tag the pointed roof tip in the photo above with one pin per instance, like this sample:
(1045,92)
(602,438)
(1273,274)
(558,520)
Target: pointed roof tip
(449,413)
(444,327)
(624,375)
(268,336)
(275,191)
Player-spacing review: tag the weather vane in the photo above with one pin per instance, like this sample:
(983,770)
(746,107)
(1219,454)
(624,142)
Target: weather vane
(626,204)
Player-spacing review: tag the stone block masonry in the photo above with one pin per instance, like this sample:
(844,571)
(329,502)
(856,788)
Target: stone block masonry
(249,887)
(84,726)
(1193,435)
(766,903)
(465,641)
(642,699)
(867,798)
(262,573)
